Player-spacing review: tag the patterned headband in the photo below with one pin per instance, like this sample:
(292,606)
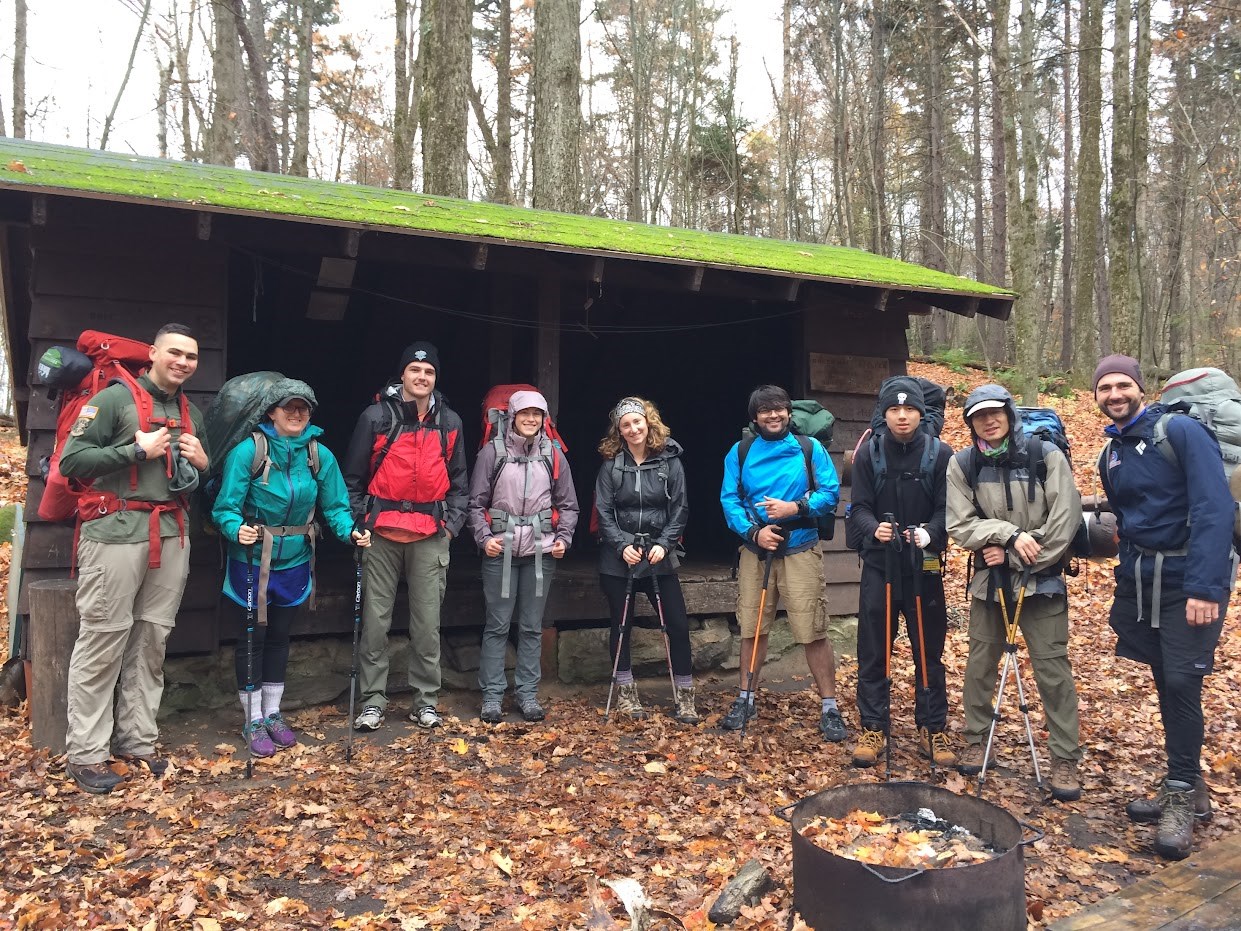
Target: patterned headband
(627,406)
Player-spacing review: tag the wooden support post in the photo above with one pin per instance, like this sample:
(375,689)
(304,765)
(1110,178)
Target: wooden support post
(551,654)
(53,632)
(547,371)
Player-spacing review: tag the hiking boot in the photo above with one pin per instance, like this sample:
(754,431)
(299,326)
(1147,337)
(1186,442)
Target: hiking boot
(868,747)
(95,778)
(935,747)
(155,764)
(260,741)
(1063,781)
(832,725)
(369,720)
(1148,810)
(492,713)
(627,701)
(531,710)
(426,717)
(741,711)
(969,763)
(686,713)
(281,734)
(1174,837)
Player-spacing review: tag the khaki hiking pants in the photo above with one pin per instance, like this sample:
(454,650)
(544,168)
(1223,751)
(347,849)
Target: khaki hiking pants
(116,675)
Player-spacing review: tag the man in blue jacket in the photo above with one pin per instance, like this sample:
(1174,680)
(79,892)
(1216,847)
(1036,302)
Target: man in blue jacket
(771,503)
(1164,478)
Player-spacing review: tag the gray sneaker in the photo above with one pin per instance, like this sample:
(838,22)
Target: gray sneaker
(369,720)
(832,726)
(426,717)
(738,713)
(531,710)
(492,713)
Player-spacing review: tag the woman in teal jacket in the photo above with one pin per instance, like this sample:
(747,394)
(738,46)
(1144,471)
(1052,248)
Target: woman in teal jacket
(272,499)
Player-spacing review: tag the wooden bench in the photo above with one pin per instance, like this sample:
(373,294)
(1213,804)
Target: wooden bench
(1200,893)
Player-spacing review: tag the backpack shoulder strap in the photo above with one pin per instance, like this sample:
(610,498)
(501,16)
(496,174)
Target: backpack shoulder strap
(926,468)
(312,457)
(261,462)
(967,461)
(743,450)
(1161,438)
(1101,465)
(807,451)
(878,463)
(1036,464)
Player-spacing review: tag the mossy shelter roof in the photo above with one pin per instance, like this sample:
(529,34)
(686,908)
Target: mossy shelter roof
(63,170)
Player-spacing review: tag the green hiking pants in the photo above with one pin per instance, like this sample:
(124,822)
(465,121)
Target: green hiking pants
(1044,626)
(424,566)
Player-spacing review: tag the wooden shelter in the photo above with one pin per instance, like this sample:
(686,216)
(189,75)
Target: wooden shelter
(327,282)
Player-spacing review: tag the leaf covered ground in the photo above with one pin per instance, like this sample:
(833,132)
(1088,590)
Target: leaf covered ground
(510,827)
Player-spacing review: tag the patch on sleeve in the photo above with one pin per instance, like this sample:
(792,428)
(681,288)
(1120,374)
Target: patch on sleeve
(79,426)
(88,412)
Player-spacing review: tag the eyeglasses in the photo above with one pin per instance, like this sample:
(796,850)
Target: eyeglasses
(297,410)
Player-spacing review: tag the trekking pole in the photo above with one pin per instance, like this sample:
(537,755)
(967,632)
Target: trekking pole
(751,678)
(1010,662)
(663,627)
(245,731)
(353,666)
(926,682)
(620,641)
(889,572)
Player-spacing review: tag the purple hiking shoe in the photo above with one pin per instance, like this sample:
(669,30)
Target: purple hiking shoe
(281,734)
(260,740)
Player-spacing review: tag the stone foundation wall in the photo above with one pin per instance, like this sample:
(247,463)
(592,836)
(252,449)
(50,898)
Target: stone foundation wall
(319,667)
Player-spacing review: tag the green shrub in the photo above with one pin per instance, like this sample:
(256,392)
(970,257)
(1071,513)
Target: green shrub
(8,514)
(956,358)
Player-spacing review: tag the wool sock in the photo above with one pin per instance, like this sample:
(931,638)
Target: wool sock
(251,705)
(683,682)
(747,695)
(828,704)
(624,677)
(272,693)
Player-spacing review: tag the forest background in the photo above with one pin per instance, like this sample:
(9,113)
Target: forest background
(1083,154)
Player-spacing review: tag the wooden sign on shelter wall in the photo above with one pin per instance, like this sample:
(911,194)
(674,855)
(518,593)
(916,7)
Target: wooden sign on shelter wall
(847,374)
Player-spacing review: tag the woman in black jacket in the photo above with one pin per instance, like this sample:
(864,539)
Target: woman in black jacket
(641,491)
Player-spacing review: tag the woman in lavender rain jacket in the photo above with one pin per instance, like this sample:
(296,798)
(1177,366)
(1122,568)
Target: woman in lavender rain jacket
(522,509)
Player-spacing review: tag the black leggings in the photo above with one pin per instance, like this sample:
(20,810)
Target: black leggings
(1180,707)
(271,644)
(675,617)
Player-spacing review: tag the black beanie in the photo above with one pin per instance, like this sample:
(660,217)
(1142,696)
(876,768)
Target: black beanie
(902,391)
(421,351)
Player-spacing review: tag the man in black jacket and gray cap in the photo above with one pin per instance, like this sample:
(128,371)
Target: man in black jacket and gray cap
(900,474)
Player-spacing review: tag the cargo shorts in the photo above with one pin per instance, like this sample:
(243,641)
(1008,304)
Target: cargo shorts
(797,581)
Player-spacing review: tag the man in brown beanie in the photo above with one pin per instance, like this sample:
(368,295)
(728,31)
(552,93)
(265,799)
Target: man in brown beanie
(405,470)
(1164,479)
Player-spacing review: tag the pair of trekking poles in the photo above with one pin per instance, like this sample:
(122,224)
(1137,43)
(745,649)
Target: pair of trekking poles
(642,543)
(891,572)
(353,667)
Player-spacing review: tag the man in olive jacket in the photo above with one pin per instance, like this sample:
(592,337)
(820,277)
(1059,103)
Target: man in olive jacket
(1016,515)
(133,558)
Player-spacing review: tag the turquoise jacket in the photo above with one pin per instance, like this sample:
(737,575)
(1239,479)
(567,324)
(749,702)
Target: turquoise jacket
(286,499)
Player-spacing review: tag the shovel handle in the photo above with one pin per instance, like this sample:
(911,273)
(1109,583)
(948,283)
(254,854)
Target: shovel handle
(890,880)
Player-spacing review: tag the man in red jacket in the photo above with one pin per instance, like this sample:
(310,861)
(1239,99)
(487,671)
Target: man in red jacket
(405,470)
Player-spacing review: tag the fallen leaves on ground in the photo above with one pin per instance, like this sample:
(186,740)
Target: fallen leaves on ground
(895,840)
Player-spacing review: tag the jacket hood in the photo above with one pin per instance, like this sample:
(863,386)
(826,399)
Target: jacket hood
(672,450)
(296,442)
(289,388)
(994,393)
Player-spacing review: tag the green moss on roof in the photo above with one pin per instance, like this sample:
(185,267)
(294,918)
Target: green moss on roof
(41,166)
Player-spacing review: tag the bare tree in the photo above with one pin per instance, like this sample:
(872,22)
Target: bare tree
(305,23)
(1066,200)
(557,105)
(1121,195)
(129,69)
(19,69)
(1089,185)
(408,95)
(444,107)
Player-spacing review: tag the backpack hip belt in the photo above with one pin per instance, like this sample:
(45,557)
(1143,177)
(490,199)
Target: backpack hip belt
(405,506)
(269,534)
(1157,583)
(99,504)
(503,523)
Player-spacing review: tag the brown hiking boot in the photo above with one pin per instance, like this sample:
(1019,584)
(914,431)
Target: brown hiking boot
(686,713)
(95,778)
(1148,810)
(1174,837)
(1063,781)
(969,763)
(934,746)
(153,762)
(627,701)
(868,747)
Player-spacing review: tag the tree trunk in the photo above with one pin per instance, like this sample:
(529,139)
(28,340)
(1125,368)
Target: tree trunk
(1089,185)
(999,182)
(161,110)
(299,161)
(129,69)
(934,239)
(221,143)
(264,156)
(880,235)
(1120,199)
(19,69)
(444,108)
(557,105)
(1150,335)
(405,110)
(1066,200)
(786,182)
(502,189)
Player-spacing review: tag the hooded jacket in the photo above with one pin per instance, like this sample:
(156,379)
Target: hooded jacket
(998,507)
(524,486)
(1161,505)
(647,498)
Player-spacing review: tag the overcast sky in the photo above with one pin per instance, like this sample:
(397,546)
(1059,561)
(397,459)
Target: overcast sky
(77,51)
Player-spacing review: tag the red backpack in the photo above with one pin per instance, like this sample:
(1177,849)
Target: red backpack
(496,420)
(113,358)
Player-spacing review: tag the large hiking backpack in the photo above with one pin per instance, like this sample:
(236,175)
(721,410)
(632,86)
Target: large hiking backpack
(496,420)
(1212,398)
(932,424)
(809,420)
(77,375)
(234,414)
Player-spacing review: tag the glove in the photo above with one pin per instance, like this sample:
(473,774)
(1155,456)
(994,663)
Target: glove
(922,538)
